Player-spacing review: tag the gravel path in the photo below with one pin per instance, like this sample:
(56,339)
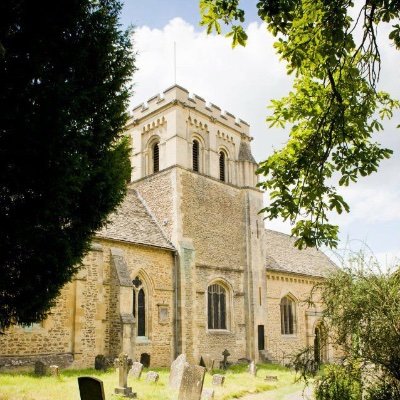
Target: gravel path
(271,395)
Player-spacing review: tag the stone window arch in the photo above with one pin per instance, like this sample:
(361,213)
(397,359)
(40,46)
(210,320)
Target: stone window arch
(140,306)
(196,155)
(218,306)
(223,165)
(288,315)
(153,155)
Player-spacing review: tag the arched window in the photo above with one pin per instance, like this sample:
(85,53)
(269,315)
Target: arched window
(222,166)
(156,158)
(288,316)
(216,307)
(196,155)
(139,307)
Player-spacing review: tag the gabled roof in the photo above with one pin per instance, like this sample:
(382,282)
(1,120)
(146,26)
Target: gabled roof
(132,222)
(281,255)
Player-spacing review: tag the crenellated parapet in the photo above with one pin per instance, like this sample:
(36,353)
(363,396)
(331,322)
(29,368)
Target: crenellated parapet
(179,95)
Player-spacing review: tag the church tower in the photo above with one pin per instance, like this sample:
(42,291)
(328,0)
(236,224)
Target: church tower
(193,168)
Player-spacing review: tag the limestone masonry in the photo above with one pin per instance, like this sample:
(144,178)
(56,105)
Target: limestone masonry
(185,264)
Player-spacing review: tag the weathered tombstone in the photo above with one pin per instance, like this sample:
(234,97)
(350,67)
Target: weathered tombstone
(252,368)
(145,359)
(91,388)
(218,380)
(225,354)
(207,394)
(123,363)
(207,362)
(100,363)
(271,378)
(54,370)
(136,370)
(243,360)
(40,368)
(192,382)
(152,376)
(175,375)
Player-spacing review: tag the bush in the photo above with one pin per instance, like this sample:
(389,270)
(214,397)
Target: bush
(338,383)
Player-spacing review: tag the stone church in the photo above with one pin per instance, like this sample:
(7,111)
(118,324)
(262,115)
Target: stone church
(185,265)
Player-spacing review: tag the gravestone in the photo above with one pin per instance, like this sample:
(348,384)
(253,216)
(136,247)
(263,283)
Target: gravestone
(243,360)
(152,376)
(54,370)
(175,375)
(91,388)
(218,380)
(207,362)
(207,394)
(192,382)
(40,368)
(136,370)
(252,368)
(225,363)
(271,378)
(100,363)
(123,363)
(145,359)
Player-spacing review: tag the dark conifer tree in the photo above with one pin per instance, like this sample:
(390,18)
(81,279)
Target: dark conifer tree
(65,71)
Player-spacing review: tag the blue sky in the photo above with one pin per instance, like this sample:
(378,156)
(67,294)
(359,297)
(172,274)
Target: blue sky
(243,81)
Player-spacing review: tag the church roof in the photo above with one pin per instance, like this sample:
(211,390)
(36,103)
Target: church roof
(132,222)
(281,255)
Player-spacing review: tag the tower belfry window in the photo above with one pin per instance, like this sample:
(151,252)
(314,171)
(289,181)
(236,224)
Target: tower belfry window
(196,151)
(222,172)
(156,158)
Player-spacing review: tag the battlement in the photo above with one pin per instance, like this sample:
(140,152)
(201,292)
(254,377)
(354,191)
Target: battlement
(178,95)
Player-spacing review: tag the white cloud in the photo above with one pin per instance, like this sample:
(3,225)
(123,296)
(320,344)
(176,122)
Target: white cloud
(243,81)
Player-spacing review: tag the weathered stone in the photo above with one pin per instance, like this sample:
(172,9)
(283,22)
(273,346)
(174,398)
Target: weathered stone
(123,363)
(218,380)
(136,370)
(207,394)
(100,363)
(40,368)
(225,363)
(271,378)
(243,360)
(207,361)
(192,382)
(54,370)
(175,375)
(252,369)
(152,376)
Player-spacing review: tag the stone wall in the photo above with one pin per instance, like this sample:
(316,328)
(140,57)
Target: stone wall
(281,347)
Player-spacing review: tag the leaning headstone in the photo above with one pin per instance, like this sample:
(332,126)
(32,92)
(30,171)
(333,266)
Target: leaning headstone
(54,370)
(253,368)
(207,362)
(207,394)
(40,368)
(91,388)
(136,370)
(152,376)
(271,378)
(123,363)
(218,380)
(175,375)
(192,382)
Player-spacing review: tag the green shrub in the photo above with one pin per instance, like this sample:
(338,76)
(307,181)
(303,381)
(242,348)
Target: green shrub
(338,383)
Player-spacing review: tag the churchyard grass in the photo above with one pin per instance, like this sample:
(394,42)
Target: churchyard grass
(238,382)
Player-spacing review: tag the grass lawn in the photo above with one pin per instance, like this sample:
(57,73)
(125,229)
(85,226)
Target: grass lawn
(238,382)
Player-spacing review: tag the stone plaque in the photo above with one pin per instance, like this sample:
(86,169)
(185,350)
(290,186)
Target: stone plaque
(136,370)
(192,382)
(163,316)
(152,376)
(175,375)
(218,380)
(207,394)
